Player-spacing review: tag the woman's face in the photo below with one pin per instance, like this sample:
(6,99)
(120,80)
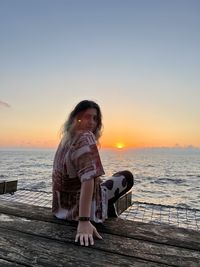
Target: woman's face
(88,120)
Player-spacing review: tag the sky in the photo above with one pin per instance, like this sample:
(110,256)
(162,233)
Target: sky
(138,59)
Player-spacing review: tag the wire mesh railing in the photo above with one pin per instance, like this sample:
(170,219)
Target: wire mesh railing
(138,211)
(161,214)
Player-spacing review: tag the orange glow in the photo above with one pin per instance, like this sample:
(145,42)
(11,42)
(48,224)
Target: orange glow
(30,140)
(122,138)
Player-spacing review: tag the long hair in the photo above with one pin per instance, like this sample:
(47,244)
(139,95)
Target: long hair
(68,128)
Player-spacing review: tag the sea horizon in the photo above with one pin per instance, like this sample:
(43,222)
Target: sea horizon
(182,148)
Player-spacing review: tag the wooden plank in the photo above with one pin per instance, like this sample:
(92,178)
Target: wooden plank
(5,263)
(2,186)
(8,186)
(114,244)
(27,211)
(11,186)
(37,251)
(160,234)
(124,202)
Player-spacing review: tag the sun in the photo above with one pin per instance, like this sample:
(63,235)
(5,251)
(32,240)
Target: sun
(120,145)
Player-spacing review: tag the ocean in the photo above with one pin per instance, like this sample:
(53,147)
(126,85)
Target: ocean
(167,176)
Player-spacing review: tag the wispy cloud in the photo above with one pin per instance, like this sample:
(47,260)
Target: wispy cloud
(4,104)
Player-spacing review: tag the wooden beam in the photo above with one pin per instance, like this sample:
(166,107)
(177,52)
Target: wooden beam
(124,202)
(37,251)
(5,263)
(8,186)
(112,244)
(162,234)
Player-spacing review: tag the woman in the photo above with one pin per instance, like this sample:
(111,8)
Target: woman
(78,192)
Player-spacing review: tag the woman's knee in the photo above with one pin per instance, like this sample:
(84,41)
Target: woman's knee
(129,178)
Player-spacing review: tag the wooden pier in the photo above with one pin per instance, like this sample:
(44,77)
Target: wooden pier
(31,236)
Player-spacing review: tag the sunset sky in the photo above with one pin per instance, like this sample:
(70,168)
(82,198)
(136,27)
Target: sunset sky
(138,59)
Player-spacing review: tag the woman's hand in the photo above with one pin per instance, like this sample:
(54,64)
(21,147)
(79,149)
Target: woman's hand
(85,233)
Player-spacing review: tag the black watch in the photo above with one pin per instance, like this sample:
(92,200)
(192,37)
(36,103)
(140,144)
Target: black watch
(83,218)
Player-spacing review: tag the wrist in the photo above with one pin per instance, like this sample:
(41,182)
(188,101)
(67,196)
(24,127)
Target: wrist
(83,219)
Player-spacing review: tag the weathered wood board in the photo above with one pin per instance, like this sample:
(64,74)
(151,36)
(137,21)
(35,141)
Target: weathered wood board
(31,236)
(8,186)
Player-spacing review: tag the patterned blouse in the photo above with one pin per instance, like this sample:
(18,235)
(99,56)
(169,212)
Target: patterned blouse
(74,164)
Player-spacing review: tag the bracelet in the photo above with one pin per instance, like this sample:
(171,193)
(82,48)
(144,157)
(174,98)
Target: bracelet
(83,218)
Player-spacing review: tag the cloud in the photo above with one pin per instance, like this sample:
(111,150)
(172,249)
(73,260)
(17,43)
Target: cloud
(4,104)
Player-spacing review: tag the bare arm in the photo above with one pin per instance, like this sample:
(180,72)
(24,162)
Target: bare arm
(85,201)
(86,230)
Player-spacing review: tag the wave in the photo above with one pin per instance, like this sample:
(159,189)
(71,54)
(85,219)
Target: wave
(3,176)
(168,181)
